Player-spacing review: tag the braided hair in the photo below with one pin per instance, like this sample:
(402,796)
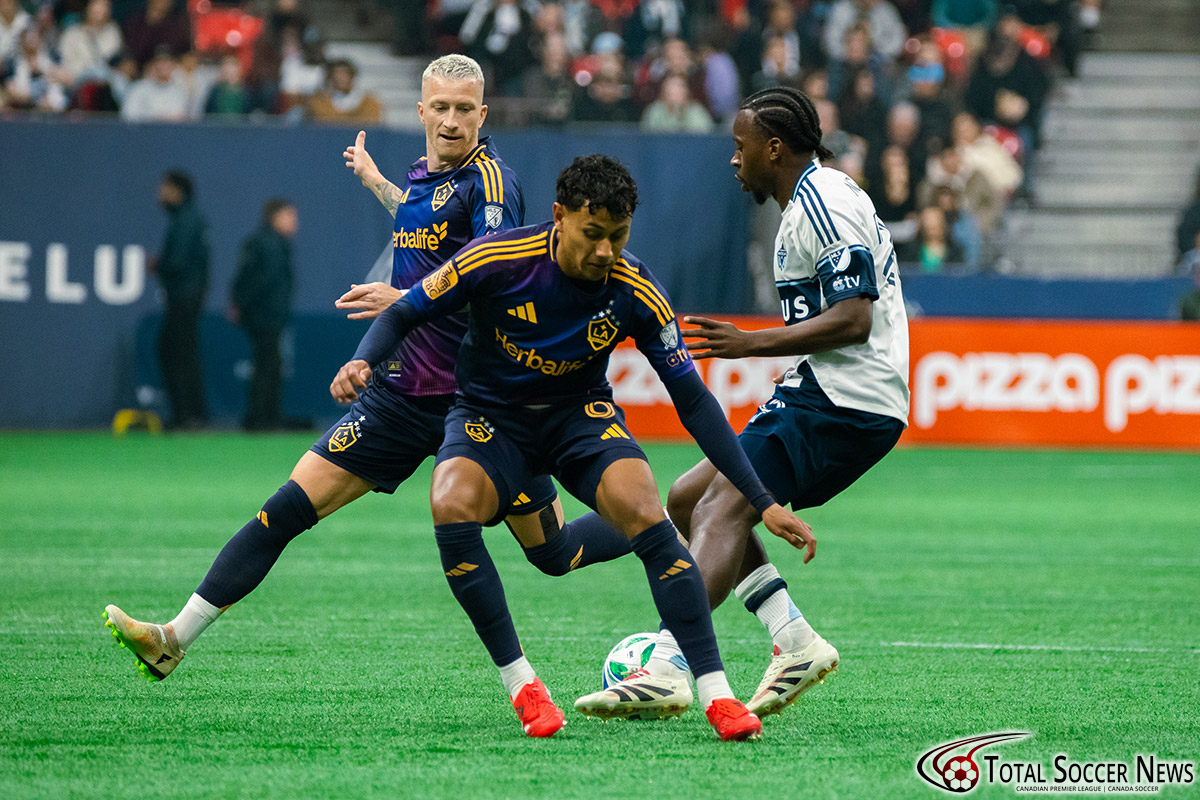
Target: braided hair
(788,114)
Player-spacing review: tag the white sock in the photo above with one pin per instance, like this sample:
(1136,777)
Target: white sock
(195,616)
(514,676)
(789,629)
(713,686)
(667,661)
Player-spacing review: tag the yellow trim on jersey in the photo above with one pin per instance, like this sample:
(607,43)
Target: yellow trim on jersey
(645,291)
(537,251)
(493,180)
(467,261)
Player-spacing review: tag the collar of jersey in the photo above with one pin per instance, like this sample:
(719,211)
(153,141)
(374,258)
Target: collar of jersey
(809,170)
(484,146)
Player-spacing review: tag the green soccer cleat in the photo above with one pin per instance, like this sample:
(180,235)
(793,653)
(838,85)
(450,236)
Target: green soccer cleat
(155,646)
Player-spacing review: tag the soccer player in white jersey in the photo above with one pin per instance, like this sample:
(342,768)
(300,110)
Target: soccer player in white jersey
(836,413)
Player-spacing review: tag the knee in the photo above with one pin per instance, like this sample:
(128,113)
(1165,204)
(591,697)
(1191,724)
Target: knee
(450,507)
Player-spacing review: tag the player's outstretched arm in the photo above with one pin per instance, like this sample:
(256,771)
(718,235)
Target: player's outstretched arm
(359,160)
(368,300)
(350,379)
(791,529)
(847,322)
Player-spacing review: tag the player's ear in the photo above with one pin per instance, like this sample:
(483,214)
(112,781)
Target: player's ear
(774,148)
(421,111)
(482,114)
(559,212)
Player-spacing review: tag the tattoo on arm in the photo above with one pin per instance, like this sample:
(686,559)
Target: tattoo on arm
(389,194)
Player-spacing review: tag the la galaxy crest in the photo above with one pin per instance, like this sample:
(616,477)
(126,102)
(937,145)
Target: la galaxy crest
(441,194)
(345,436)
(480,431)
(601,331)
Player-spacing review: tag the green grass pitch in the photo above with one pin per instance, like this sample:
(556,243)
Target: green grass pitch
(969,592)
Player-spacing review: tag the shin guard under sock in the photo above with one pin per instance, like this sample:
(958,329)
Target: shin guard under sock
(476,586)
(249,555)
(679,595)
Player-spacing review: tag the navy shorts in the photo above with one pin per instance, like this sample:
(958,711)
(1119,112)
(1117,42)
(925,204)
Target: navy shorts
(385,436)
(807,450)
(573,440)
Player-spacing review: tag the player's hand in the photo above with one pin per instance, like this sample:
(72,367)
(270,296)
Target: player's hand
(367,300)
(791,529)
(359,160)
(351,378)
(716,339)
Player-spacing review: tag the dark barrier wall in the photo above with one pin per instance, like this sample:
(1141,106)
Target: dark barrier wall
(79,217)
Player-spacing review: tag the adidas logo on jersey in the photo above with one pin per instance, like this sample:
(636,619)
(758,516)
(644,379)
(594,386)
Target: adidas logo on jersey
(525,312)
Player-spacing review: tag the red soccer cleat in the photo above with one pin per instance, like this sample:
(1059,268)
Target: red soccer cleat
(732,721)
(539,717)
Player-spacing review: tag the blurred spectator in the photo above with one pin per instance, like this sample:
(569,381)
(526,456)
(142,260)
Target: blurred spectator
(777,68)
(285,14)
(156,97)
(182,270)
(781,23)
(928,92)
(653,23)
(932,248)
(1008,87)
(832,136)
(229,94)
(816,84)
(260,300)
(894,189)
(882,20)
(862,112)
(852,162)
(675,111)
(580,24)
(604,96)
(342,101)
(1057,21)
(1189,304)
(89,48)
(162,25)
(972,19)
(13,20)
(1189,222)
(979,196)
(674,58)
(983,153)
(859,54)
(302,72)
(195,80)
(964,231)
(549,87)
(499,35)
(32,79)
(904,131)
(722,88)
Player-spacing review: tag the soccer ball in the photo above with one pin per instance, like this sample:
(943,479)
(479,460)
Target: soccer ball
(629,655)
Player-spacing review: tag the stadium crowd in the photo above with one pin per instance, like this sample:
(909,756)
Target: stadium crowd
(933,106)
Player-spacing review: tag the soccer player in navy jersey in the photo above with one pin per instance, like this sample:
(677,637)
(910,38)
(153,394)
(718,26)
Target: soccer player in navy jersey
(459,191)
(548,304)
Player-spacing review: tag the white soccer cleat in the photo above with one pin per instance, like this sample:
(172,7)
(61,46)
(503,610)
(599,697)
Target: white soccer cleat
(790,675)
(640,696)
(155,646)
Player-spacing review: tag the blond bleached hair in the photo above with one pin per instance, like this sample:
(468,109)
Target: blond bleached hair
(454,67)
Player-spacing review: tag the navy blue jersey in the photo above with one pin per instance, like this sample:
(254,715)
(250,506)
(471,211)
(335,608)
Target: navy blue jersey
(537,335)
(439,213)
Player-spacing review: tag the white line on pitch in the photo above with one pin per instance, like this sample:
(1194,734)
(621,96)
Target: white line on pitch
(1055,647)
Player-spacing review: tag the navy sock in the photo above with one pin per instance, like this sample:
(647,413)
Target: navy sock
(587,540)
(679,595)
(249,555)
(476,585)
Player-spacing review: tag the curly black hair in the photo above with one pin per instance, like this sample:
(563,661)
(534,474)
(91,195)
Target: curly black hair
(600,182)
(788,114)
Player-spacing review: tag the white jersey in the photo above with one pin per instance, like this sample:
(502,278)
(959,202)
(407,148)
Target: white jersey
(831,246)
